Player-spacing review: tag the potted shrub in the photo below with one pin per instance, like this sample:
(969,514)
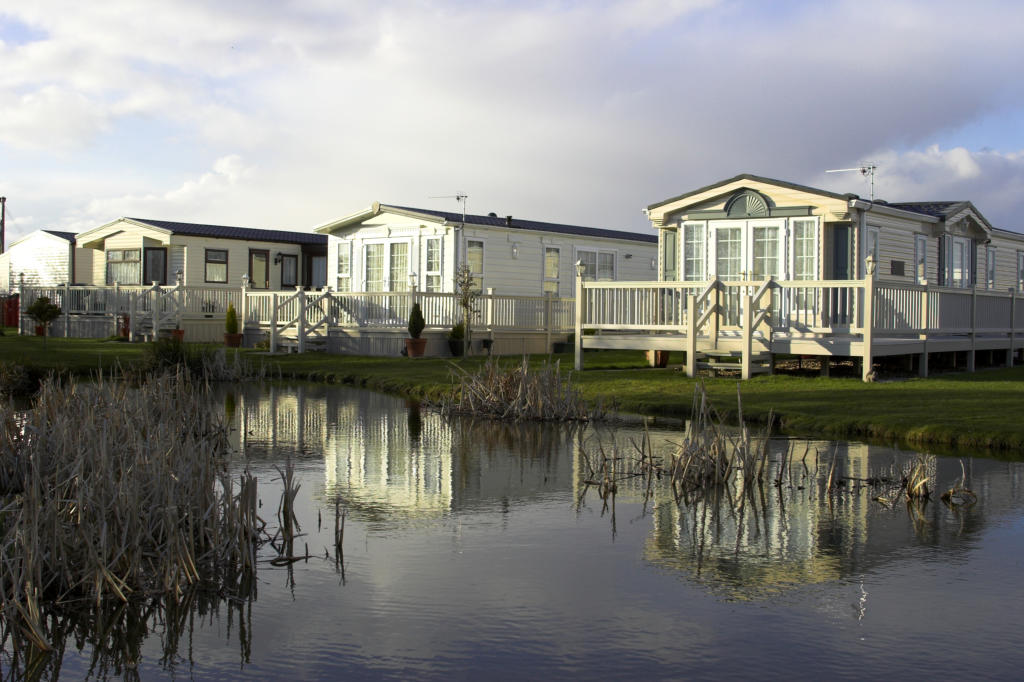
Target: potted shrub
(43,312)
(457,339)
(415,345)
(232,338)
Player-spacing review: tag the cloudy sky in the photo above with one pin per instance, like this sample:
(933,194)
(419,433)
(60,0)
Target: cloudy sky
(278,114)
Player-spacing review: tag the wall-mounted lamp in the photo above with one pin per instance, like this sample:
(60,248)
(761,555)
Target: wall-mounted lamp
(515,250)
(628,256)
(654,264)
(278,257)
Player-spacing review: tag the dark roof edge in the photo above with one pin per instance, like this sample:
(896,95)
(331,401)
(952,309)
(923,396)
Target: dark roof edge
(756,178)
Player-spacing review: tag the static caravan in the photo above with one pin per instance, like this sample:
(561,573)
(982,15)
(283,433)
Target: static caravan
(395,248)
(45,258)
(137,252)
(754,268)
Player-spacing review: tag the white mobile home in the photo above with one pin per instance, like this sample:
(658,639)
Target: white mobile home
(773,267)
(393,248)
(136,252)
(44,258)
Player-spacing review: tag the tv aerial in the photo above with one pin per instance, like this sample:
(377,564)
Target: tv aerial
(460,197)
(868,169)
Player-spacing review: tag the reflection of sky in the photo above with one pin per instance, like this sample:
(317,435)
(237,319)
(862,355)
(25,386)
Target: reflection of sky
(511,576)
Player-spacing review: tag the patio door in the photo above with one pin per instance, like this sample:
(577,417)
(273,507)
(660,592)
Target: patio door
(728,266)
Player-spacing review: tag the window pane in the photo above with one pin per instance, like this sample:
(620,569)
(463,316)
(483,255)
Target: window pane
(670,255)
(475,257)
(433,283)
(804,250)
(289,270)
(766,252)
(551,257)
(589,261)
(399,266)
(693,253)
(344,259)
(433,255)
(216,265)
(728,251)
(606,266)
(375,267)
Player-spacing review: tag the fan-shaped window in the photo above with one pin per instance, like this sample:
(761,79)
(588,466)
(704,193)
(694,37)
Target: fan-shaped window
(747,204)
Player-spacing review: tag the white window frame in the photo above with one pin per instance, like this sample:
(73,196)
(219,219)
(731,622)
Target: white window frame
(791,273)
(711,250)
(1020,271)
(701,228)
(343,276)
(966,275)
(427,272)
(478,277)
(871,236)
(598,252)
(920,258)
(781,260)
(546,281)
(990,267)
(389,286)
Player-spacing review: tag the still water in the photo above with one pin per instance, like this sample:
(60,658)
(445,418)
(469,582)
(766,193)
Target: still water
(475,550)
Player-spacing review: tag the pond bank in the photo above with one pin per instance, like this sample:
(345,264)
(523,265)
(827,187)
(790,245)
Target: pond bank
(980,410)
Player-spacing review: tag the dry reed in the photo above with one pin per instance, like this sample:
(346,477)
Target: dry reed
(112,492)
(519,393)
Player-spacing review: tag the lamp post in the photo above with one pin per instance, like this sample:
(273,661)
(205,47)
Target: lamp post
(578,335)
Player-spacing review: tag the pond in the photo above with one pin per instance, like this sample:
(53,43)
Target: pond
(477,550)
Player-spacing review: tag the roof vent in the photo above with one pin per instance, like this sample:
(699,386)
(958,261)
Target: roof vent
(508,221)
(492,214)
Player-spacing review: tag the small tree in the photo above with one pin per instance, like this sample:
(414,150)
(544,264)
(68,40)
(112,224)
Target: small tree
(416,321)
(43,312)
(231,320)
(466,295)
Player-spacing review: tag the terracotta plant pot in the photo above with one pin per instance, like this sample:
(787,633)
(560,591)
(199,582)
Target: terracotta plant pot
(178,335)
(233,340)
(414,347)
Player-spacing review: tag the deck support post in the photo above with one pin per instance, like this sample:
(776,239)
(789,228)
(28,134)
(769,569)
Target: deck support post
(577,338)
(716,317)
(300,324)
(826,365)
(691,336)
(273,323)
(867,360)
(1013,326)
(974,326)
(922,364)
(748,334)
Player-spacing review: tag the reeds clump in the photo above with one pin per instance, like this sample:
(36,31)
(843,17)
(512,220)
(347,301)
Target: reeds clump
(518,393)
(110,492)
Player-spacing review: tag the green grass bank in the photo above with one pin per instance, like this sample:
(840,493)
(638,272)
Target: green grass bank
(984,410)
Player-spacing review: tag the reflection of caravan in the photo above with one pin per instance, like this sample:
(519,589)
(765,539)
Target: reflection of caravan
(759,267)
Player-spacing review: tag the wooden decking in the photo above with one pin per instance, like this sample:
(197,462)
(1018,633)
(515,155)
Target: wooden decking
(751,321)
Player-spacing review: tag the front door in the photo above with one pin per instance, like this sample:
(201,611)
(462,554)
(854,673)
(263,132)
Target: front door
(154,266)
(259,269)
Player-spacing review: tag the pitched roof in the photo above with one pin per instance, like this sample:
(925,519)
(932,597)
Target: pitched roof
(520,224)
(244,233)
(755,178)
(938,209)
(67,236)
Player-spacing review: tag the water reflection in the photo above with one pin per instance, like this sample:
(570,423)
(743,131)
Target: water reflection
(473,546)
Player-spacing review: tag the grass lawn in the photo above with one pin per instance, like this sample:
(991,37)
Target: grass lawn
(981,410)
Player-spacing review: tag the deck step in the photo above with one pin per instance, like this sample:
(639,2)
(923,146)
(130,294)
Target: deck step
(716,366)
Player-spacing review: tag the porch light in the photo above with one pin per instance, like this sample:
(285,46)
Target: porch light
(245,281)
(412,281)
(654,264)
(580,268)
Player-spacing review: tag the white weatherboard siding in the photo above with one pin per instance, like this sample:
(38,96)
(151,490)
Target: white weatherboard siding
(43,258)
(513,257)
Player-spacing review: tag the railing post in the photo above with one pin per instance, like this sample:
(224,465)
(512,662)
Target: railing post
(974,327)
(489,317)
(868,321)
(180,296)
(21,301)
(748,333)
(691,336)
(273,322)
(1013,326)
(578,335)
(155,304)
(547,321)
(67,310)
(922,365)
(132,319)
(300,325)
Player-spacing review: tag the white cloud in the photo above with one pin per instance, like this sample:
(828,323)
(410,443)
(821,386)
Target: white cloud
(49,119)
